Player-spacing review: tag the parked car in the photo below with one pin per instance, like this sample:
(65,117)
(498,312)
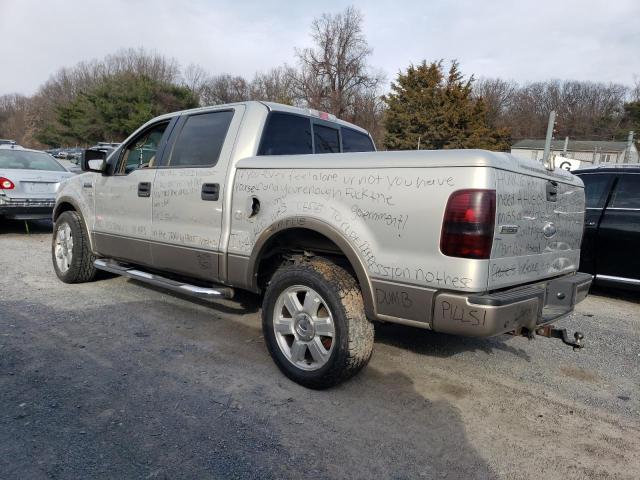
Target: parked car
(264,197)
(4,141)
(29,180)
(612,225)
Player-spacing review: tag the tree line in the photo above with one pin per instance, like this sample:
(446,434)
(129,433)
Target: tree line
(431,104)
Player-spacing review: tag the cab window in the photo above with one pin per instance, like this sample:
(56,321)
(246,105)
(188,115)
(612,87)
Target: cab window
(201,139)
(286,134)
(354,141)
(141,151)
(596,188)
(327,140)
(627,193)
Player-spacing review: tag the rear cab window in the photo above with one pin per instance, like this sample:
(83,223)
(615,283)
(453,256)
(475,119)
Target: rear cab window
(292,134)
(354,141)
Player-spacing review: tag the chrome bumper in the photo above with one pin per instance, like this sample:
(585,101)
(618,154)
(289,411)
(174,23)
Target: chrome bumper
(511,310)
(26,208)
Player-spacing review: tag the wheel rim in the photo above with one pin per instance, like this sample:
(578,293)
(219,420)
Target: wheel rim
(63,247)
(304,327)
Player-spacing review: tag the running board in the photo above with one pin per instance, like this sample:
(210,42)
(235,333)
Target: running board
(204,293)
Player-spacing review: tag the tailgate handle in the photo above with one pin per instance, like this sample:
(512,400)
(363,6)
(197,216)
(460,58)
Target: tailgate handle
(210,192)
(144,189)
(552,191)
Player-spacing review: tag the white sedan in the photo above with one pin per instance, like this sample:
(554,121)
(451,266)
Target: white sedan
(29,181)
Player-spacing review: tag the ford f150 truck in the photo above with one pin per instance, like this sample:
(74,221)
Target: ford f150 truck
(296,205)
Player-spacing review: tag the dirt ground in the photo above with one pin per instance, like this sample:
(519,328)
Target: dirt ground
(114,379)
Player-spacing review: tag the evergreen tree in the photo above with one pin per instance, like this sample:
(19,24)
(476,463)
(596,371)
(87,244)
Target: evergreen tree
(438,110)
(114,108)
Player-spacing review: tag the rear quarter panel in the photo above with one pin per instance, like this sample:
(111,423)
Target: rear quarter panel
(391,217)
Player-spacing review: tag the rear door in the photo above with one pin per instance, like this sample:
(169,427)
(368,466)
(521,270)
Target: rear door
(619,232)
(188,193)
(597,188)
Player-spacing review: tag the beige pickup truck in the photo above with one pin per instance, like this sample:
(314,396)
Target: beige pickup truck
(297,206)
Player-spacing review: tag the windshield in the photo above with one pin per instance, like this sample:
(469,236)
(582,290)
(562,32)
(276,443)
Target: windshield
(25,160)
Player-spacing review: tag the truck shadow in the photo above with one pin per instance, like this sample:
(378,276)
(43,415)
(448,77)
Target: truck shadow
(436,434)
(25,227)
(176,386)
(435,344)
(243,302)
(409,338)
(616,293)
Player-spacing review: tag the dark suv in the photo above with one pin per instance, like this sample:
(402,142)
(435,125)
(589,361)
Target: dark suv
(612,225)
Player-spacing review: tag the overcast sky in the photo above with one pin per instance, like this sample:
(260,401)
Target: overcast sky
(520,40)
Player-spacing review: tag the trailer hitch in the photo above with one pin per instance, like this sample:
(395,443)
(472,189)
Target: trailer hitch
(561,333)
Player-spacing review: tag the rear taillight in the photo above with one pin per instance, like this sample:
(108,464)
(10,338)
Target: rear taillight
(6,184)
(467,228)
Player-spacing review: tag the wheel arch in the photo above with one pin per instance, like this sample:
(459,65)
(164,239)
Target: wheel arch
(315,235)
(67,204)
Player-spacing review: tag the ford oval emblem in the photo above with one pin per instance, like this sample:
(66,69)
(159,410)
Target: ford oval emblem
(549,230)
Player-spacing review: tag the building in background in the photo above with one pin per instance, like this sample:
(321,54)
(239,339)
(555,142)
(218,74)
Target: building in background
(582,153)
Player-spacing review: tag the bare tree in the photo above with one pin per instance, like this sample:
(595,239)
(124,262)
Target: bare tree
(498,95)
(335,72)
(225,88)
(195,78)
(13,116)
(275,85)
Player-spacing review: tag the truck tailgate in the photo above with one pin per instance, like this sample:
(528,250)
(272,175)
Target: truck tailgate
(539,225)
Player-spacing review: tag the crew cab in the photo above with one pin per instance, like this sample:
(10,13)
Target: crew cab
(612,225)
(297,206)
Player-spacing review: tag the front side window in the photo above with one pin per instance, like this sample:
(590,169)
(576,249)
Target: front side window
(354,141)
(627,193)
(141,152)
(286,134)
(25,160)
(201,138)
(327,139)
(596,187)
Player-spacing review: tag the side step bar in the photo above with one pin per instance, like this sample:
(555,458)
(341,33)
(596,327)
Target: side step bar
(204,293)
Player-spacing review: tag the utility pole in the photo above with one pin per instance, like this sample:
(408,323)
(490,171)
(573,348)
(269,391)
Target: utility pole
(547,142)
(627,153)
(419,142)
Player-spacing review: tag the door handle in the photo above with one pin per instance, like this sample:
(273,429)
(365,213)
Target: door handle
(144,189)
(552,191)
(210,192)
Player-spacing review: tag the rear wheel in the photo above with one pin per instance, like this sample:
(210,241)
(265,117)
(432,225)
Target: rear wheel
(71,251)
(314,323)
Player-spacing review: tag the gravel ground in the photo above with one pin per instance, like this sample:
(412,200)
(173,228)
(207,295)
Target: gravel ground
(113,379)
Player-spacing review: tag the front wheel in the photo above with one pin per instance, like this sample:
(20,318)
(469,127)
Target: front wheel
(314,323)
(71,251)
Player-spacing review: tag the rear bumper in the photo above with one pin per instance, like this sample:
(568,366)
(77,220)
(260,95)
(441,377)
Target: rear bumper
(511,310)
(24,208)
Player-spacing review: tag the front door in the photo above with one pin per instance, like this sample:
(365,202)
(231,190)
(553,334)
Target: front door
(123,197)
(188,193)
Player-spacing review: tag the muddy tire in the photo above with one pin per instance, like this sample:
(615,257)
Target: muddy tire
(314,323)
(71,251)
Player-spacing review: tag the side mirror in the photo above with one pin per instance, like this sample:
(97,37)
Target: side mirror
(93,161)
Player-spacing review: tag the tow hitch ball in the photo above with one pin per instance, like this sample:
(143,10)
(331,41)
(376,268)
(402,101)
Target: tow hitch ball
(561,333)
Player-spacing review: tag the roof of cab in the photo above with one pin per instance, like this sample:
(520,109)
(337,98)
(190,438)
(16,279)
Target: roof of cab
(616,167)
(271,106)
